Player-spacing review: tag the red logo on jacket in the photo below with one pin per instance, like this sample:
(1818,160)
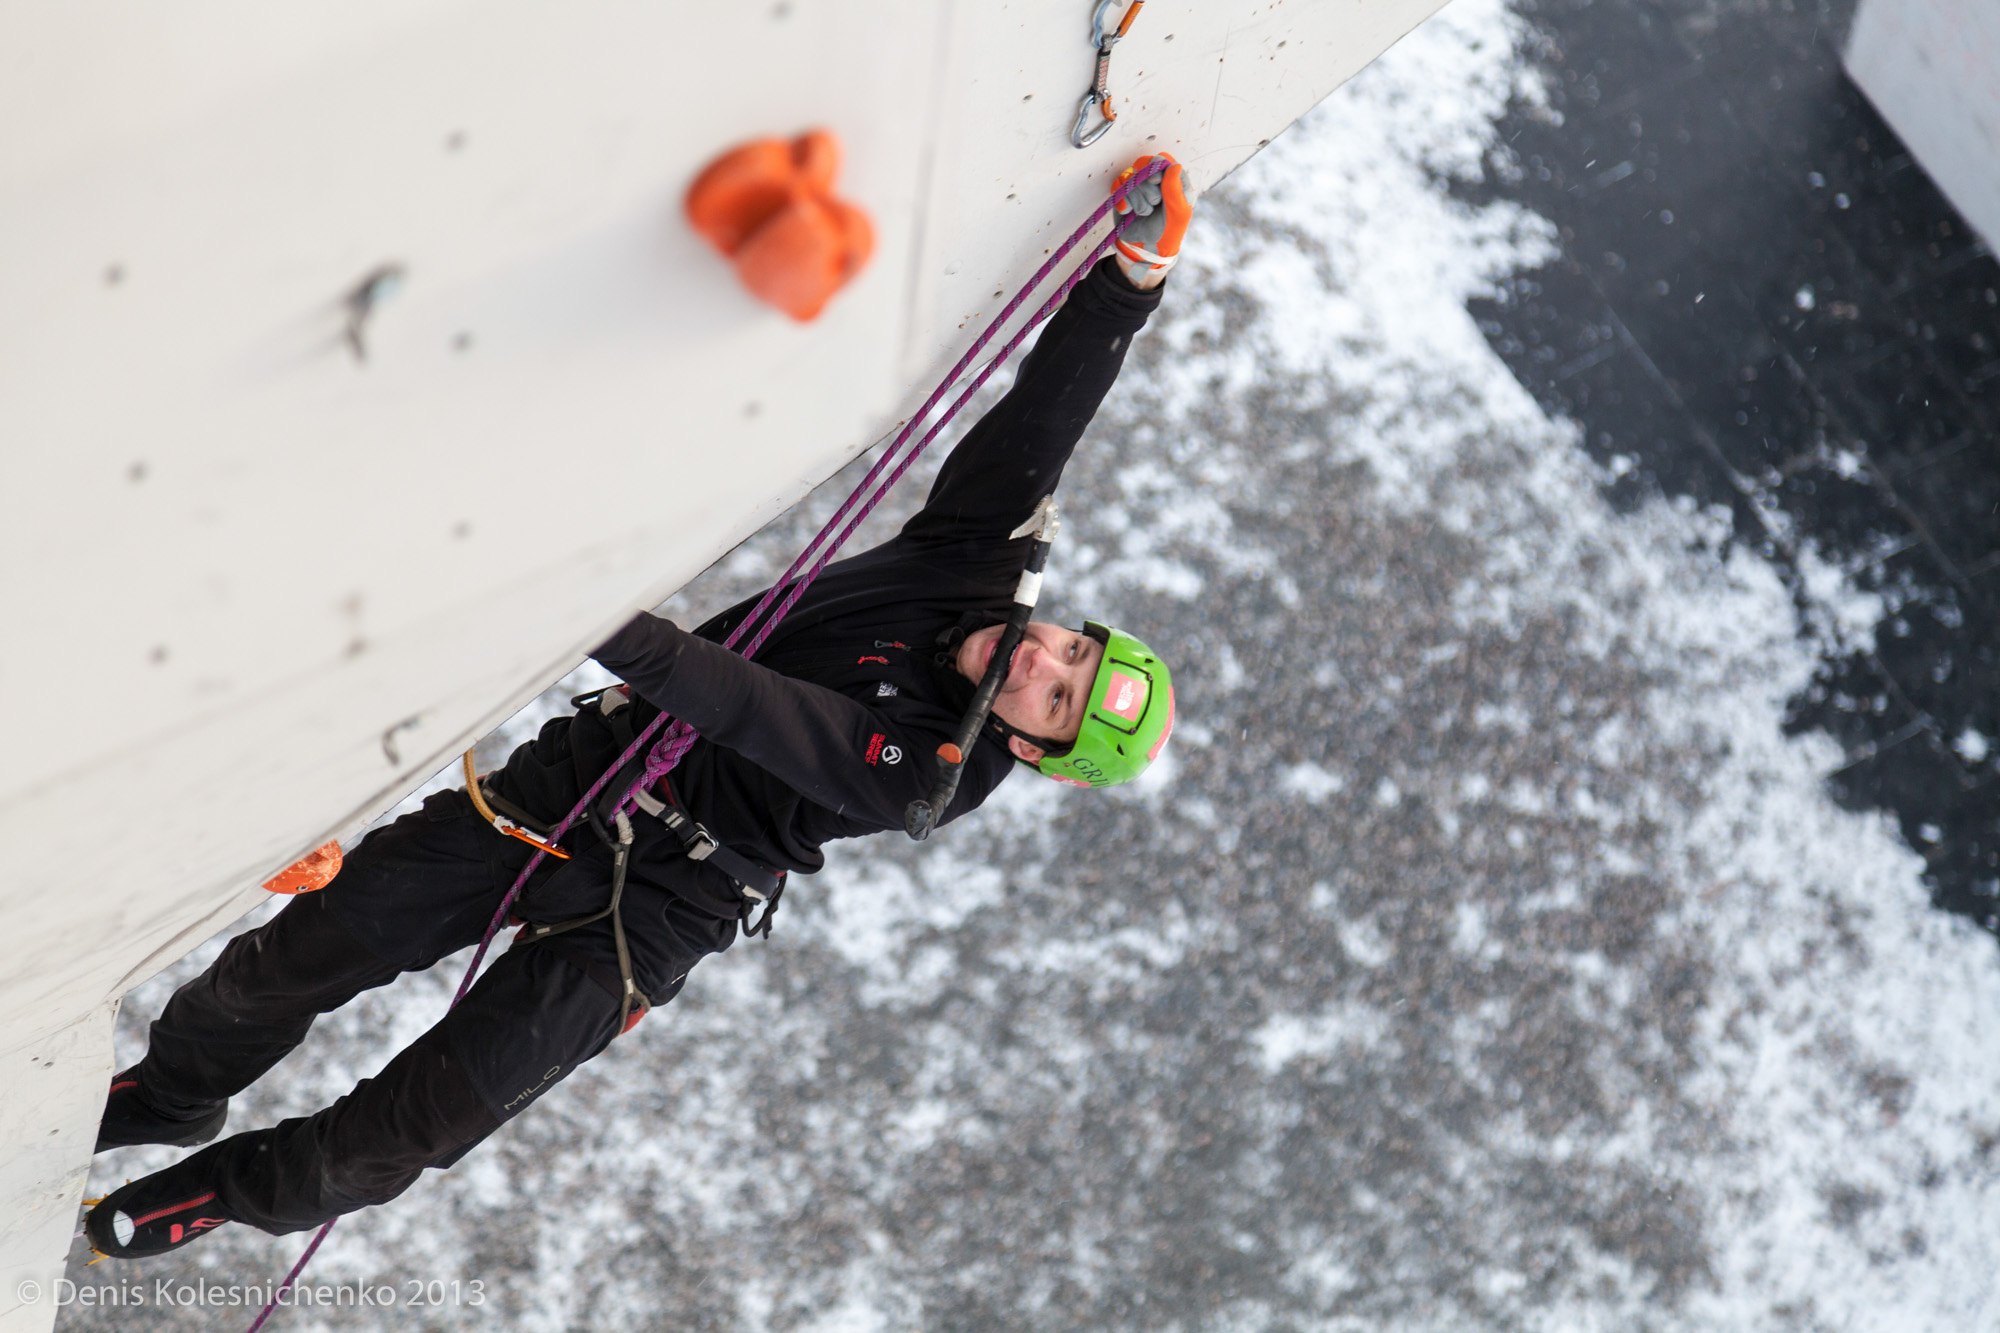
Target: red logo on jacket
(874,754)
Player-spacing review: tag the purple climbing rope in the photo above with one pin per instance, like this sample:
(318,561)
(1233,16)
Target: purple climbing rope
(278,1296)
(678,737)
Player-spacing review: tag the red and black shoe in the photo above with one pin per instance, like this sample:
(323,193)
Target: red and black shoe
(130,1117)
(158,1213)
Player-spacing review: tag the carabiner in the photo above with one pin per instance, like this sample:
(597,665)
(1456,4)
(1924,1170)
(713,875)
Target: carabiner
(1097,33)
(1077,134)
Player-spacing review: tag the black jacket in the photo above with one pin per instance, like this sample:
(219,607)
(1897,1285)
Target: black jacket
(834,728)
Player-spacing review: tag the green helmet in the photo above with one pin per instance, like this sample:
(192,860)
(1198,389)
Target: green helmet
(1127,721)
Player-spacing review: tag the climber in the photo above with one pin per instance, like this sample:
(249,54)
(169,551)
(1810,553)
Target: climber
(830,733)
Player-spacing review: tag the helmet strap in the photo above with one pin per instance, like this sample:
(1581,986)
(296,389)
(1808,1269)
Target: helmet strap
(1050,749)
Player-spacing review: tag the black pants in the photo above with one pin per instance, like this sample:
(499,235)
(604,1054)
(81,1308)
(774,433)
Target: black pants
(411,893)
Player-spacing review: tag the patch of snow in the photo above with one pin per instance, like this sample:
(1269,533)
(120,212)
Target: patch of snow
(1311,781)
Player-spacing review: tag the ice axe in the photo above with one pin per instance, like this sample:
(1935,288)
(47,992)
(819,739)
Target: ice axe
(920,817)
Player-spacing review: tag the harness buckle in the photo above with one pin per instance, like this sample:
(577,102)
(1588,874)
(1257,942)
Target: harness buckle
(698,844)
(609,701)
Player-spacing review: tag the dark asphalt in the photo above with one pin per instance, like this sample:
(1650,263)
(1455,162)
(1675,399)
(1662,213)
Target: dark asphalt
(1763,302)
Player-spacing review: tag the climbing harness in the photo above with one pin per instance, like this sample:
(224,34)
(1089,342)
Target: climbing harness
(758,887)
(1098,99)
(670,742)
(920,817)
(630,997)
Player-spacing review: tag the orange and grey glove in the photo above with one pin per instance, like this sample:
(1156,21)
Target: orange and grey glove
(1152,219)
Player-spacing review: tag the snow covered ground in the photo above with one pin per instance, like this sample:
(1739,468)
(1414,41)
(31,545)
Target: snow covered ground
(1484,958)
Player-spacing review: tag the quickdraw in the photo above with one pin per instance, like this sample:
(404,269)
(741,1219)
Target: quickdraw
(1098,99)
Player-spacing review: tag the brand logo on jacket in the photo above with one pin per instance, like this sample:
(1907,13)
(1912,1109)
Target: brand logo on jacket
(885,691)
(874,751)
(892,754)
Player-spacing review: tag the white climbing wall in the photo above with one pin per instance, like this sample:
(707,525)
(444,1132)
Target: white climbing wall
(1932,68)
(256,587)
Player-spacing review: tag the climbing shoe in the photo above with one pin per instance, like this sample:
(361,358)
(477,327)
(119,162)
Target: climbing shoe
(157,1213)
(129,1118)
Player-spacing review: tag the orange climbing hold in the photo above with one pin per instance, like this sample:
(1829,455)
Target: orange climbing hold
(769,206)
(308,874)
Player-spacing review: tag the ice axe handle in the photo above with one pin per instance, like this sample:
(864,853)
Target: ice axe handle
(920,817)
